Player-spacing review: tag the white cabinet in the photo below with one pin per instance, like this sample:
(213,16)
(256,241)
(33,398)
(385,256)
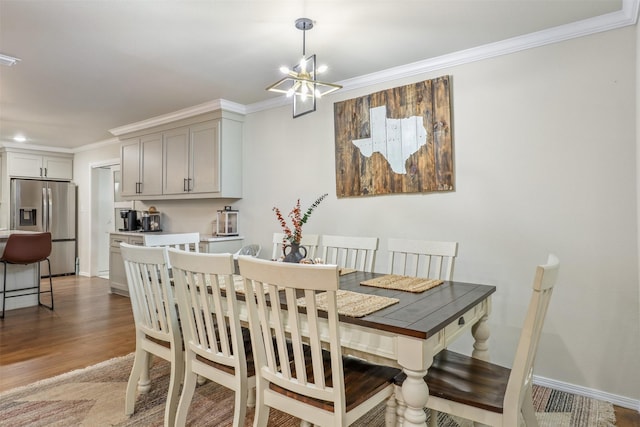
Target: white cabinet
(191,159)
(177,158)
(141,166)
(21,164)
(219,245)
(117,274)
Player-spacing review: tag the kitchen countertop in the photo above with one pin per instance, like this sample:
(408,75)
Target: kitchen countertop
(211,238)
(203,237)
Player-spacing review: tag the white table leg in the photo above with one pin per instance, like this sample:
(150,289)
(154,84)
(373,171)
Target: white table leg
(414,356)
(415,394)
(481,332)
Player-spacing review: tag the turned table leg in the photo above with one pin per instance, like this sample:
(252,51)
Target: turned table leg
(480,332)
(414,394)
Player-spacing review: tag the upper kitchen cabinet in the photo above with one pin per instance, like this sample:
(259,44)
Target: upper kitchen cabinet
(141,166)
(197,163)
(40,165)
(196,157)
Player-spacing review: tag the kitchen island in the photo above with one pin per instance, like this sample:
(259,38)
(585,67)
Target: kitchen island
(19,276)
(117,275)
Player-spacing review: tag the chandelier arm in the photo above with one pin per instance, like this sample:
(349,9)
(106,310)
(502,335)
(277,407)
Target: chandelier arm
(299,82)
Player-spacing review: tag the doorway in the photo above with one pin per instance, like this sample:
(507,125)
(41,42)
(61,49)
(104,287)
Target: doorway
(104,203)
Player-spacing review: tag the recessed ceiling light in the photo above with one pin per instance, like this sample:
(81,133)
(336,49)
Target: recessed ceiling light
(19,138)
(8,60)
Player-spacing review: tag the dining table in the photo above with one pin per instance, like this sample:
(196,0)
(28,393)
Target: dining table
(410,332)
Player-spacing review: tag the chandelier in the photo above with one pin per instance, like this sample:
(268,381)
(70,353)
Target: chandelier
(300,81)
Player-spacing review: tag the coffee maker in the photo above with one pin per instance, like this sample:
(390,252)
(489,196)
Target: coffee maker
(130,218)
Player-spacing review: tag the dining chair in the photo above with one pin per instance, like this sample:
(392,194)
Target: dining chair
(156,319)
(183,241)
(487,393)
(250,250)
(422,258)
(216,346)
(24,249)
(296,373)
(309,242)
(350,252)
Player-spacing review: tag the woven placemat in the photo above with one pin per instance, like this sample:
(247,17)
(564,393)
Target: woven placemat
(403,283)
(353,304)
(344,270)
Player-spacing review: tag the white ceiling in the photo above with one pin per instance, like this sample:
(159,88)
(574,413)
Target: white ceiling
(88,66)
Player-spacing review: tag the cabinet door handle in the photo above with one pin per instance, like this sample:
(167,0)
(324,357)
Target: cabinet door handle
(184,185)
(45,171)
(189,186)
(41,172)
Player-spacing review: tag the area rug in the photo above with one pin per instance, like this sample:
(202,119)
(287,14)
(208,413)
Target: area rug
(94,397)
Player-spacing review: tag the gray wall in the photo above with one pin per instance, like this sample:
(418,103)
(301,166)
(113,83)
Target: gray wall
(545,161)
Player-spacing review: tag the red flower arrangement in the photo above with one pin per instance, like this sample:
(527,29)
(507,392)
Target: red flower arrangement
(297,220)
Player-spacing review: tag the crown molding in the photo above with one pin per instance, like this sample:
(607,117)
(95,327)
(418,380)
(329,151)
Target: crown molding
(627,15)
(207,107)
(27,146)
(96,145)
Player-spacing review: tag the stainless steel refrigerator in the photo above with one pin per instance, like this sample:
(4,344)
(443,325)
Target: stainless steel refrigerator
(48,206)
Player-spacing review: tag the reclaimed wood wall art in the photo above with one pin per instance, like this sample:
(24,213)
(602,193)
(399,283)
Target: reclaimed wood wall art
(395,141)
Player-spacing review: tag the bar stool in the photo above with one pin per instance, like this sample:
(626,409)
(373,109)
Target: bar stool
(26,249)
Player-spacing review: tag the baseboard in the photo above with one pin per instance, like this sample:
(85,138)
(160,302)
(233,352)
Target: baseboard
(617,400)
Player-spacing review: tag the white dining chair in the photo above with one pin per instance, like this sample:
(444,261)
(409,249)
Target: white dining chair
(215,346)
(156,320)
(182,241)
(487,393)
(422,258)
(309,381)
(250,250)
(309,242)
(349,252)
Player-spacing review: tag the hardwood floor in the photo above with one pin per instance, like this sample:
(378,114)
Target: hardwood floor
(89,325)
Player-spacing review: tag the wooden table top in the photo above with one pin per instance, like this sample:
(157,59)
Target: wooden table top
(420,315)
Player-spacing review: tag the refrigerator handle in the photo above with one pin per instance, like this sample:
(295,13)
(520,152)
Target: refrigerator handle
(49,209)
(44,209)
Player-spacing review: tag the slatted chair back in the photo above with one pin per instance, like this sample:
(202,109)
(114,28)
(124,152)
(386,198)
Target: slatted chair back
(350,252)
(421,258)
(300,369)
(249,250)
(487,393)
(211,327)
(182,241)
(309,242)
(521,376)
(272,329)
(156,319)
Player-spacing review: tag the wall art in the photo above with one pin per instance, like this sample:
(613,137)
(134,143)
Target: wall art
(395,141)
